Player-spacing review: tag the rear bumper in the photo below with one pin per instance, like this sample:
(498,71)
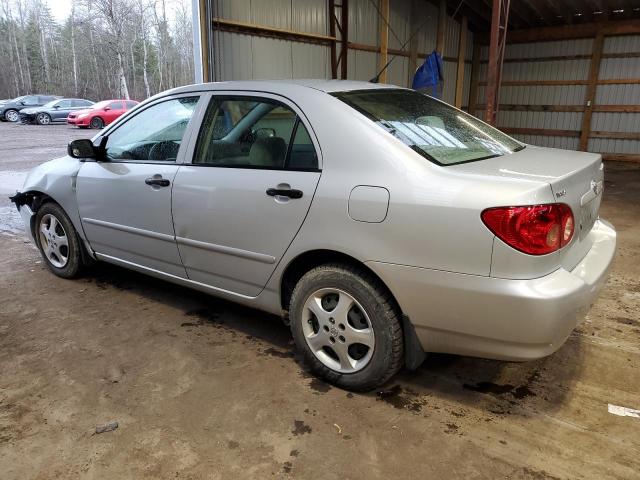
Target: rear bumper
(500,318)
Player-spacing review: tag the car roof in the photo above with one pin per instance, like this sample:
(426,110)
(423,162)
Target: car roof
(282,86)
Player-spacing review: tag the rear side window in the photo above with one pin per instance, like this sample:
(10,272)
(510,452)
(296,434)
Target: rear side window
(247,132)
(81,103)
(435,130)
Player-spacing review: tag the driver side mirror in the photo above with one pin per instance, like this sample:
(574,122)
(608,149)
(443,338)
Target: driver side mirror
(84,148)
(106,109)
(56,106)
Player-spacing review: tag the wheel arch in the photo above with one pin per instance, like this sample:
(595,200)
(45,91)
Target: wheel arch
(304,262)
(99,118)
(35,199)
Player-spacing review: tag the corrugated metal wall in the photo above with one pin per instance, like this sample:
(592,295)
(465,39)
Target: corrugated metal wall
(617,95)
(240,57)
(618,68)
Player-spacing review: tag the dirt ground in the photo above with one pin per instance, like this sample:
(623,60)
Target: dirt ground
(205,389)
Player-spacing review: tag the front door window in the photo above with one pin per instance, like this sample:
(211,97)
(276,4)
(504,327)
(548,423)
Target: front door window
(154,134)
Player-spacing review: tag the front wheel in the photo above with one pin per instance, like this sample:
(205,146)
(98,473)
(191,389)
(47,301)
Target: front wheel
(347,326)
(58,241)
(97,123)
(12,115)
(43,119)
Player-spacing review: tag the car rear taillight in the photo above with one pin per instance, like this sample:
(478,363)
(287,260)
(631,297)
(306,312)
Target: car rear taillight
(533,229)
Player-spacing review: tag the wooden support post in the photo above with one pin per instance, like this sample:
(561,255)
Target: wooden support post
(384,39)
(475,78)
(413,42)
(590,93)
(344,39)
(497,45)
(332,33)
(339,25)
(442,26)
(462,51)
(205,24)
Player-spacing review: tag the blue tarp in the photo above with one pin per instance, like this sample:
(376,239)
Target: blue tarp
(430,76)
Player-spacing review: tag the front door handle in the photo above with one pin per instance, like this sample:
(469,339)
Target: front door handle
(291,193)
(157,181)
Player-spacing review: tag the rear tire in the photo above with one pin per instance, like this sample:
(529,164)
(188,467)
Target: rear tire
(97,123)
(43,119)
(58,241)
(347,326)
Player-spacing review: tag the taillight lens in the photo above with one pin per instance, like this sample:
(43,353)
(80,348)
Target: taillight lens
(533,229)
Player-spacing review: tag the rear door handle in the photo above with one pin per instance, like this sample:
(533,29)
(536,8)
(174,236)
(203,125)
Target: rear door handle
(157,181)
(291,193)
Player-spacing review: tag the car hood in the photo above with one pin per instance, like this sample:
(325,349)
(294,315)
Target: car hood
(29,110)
(77,113)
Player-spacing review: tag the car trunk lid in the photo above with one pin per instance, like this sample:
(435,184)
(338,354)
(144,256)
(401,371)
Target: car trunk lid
(575,178)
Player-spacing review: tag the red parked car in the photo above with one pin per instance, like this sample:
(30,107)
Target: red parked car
(101,114)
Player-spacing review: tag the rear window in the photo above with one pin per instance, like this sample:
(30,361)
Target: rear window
(435,130)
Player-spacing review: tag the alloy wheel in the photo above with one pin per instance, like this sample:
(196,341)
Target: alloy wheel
(338,330)
(12,116)
(44,119)
(54,241)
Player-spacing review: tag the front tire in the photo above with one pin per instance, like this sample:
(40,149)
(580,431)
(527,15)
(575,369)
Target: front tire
(58,241)
(347,326)
(97,123)
(12,115)
(43,119)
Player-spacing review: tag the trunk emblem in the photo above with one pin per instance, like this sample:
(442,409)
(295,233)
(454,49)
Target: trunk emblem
(561,193)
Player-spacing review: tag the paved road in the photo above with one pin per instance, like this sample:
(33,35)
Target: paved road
(205,389)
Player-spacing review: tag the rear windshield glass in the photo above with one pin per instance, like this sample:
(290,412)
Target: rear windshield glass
(437,131)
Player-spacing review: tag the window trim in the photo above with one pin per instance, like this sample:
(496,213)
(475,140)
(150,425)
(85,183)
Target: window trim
(186,139)
(211,95)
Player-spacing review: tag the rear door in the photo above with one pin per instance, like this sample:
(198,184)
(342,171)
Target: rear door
(125,200)
(239,204)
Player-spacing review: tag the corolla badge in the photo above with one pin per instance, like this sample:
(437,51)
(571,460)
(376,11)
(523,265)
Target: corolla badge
(561,193)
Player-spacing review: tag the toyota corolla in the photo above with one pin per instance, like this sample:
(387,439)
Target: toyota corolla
(381,223)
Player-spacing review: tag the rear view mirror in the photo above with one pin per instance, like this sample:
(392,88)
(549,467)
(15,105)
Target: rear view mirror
(264,133)
(82,148)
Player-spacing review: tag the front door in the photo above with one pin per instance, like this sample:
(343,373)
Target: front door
(240,203)
(61,110)
(113,111)
(125,200)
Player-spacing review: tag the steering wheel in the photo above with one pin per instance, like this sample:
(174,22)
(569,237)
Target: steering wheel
(165,150)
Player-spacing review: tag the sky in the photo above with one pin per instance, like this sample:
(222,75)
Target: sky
(61,9)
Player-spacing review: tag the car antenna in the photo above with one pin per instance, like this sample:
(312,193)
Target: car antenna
(376,79)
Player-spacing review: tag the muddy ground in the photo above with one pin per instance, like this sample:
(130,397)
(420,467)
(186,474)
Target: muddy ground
(202,388)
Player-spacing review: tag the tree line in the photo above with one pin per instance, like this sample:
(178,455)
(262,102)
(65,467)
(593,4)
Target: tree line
(105,49)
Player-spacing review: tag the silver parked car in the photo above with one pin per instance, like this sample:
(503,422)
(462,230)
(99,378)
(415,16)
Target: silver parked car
(382,223)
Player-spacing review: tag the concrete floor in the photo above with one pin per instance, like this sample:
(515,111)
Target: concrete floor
(203,388)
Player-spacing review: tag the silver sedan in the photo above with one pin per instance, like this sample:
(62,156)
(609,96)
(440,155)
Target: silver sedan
(381,223)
